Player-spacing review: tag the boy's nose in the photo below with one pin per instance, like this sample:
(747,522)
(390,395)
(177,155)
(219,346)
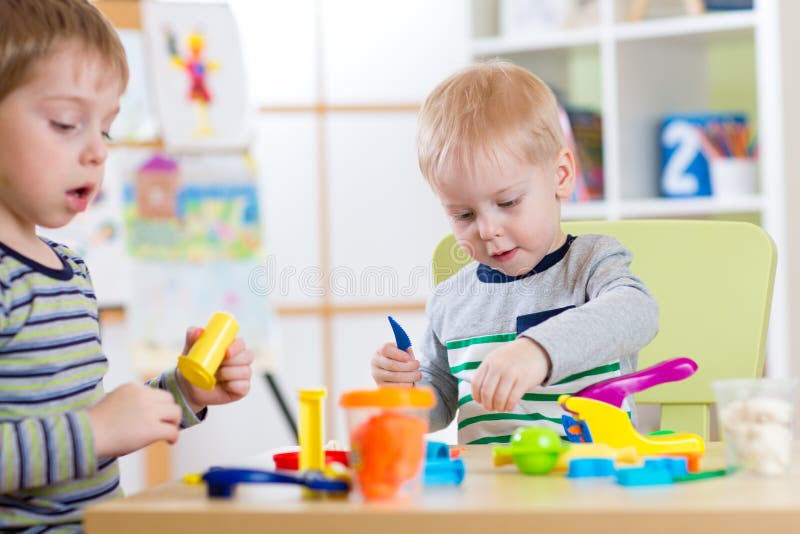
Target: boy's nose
(489,227)
(95,152)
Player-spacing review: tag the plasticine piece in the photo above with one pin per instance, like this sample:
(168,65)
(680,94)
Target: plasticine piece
(591,468)
(644,476)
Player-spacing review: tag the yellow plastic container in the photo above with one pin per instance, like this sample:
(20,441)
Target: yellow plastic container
(312,455)
(202,362)
(387,428)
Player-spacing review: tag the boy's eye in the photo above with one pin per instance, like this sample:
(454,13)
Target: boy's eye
(62,126)
(509,204)
(463,216)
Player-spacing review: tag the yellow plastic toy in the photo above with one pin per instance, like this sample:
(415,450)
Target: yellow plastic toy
(200,365)
(610,425)
(312,454)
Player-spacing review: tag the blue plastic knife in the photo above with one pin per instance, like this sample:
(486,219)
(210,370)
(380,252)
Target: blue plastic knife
(400,336)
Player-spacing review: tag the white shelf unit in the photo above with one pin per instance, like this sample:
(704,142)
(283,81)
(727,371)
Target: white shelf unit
(635,73)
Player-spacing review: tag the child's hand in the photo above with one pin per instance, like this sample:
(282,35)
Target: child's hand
(131,417)
(392,366)
(508,372)
(233,375)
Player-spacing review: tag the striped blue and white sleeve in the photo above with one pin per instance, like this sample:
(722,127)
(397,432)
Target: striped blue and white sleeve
(38,452)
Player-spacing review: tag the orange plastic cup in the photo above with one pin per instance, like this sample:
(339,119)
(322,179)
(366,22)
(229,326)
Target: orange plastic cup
(387,429)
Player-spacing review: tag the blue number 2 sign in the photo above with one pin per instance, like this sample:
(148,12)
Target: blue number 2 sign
(685,170)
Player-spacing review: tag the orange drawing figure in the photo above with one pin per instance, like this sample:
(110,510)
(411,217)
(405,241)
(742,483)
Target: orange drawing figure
(196,67)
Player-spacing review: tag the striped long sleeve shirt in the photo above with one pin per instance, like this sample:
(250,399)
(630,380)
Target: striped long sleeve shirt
(580,303)
(51,370)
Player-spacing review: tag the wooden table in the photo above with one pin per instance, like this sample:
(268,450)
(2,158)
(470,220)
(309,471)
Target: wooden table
(490,500)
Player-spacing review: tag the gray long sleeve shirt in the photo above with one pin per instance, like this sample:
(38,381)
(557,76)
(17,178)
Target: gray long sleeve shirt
(580,303)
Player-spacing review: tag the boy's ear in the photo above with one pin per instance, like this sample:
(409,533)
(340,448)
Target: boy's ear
(564,174)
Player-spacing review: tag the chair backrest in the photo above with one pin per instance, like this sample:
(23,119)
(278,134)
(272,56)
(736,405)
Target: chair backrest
(713,283)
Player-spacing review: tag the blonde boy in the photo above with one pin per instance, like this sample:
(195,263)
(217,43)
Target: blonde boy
(538,313)
(62,71)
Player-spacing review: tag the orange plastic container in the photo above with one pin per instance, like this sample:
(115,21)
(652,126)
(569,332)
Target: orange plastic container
(387,429)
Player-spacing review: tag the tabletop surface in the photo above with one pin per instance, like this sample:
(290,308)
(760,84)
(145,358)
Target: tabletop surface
(488,498)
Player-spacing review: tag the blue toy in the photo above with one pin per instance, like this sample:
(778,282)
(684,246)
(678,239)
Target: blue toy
(591,468)
(400,336)
(440,469)
(222,481)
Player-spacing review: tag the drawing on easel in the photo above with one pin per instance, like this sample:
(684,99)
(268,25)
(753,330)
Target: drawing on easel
(197,68)
(196,63)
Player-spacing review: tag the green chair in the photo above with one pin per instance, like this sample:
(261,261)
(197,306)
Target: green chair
(713,283)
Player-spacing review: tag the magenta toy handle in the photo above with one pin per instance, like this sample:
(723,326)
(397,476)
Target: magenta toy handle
(614,390)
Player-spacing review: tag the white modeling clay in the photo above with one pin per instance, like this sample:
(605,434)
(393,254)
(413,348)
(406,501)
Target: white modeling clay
(760,431)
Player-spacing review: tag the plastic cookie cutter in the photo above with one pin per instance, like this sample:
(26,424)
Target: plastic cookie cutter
(440,467)
(614,390)
(222,481)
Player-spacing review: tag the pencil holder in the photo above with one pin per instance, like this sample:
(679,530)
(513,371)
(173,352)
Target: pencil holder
(200,365)
(732,177)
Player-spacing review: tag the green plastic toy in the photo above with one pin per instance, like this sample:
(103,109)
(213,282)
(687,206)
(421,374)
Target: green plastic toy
(534,450)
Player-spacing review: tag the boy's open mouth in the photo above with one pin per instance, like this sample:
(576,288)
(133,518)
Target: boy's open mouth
(80,192)
(78,198)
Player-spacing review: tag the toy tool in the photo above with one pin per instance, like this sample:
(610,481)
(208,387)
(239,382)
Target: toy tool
(222,481)
(400,336)
(614,390)
(609,424)
(200,365)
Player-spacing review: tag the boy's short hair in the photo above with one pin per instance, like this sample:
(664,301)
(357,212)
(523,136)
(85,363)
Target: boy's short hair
(485,109)
(30,30)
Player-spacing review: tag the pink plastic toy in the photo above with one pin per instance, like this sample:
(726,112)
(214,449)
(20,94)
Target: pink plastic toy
(614,390)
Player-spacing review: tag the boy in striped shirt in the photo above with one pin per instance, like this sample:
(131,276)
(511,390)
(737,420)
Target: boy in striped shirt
(62,71)
(538,313)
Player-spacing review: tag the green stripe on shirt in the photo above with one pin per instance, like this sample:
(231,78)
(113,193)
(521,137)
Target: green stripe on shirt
(494,338)
(609,368)
(507,417)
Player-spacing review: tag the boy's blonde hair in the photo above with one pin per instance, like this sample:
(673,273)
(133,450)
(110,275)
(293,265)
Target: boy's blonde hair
(30,30)
(483,110)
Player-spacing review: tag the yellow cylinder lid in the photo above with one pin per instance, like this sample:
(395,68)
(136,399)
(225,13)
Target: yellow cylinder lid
(195,373)
(388,397)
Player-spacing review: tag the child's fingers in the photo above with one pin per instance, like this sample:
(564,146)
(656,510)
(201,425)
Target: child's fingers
(390,350)
(242,357)
(236,347)
(388,364)
(487,388)
(503,392)
(515,396)
(477,383)
(234,372)
(393,377)
(168,433)
(237,388)
(192,333)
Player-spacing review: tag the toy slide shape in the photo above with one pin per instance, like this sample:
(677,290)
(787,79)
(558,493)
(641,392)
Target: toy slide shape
(610,425)
(614,390)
